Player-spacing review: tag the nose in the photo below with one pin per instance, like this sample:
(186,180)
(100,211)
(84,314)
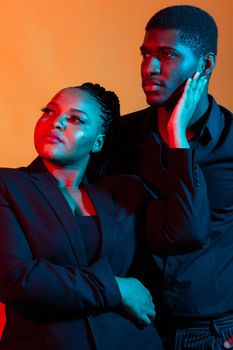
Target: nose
(59,122)
(153,66)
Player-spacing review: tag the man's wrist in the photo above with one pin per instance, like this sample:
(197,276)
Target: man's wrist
(177,138)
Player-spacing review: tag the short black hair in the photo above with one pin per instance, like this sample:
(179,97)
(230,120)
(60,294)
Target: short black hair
(198,29)
(110,112)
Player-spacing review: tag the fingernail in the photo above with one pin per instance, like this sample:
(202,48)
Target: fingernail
(228,344)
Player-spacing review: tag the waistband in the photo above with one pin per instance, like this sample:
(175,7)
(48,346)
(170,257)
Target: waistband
(223,321)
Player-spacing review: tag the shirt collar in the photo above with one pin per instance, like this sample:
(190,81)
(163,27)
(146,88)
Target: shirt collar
(213,124)
(208,131)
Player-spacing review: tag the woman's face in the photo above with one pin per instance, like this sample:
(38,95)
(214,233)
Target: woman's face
(70,128)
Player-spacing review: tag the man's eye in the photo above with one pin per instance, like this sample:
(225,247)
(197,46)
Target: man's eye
(47,111)
(145,55)
(168,54)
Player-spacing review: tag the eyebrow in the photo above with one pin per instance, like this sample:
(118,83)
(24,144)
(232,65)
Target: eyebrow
(160,48)
(142,48)
(52,103)
(79,111)
(71,109)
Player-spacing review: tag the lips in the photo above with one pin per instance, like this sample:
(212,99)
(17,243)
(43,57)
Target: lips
(53,137)
(150,86)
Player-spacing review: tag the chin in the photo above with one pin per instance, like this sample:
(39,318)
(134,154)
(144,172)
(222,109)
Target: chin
(155,100)
(169,102)
(47,155)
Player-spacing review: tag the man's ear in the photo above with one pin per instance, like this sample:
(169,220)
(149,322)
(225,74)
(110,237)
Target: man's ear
(207,63)
(98,143)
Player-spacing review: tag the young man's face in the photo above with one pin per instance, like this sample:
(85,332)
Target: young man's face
(167,63)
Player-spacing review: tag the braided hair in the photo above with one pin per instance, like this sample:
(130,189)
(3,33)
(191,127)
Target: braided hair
(100,163)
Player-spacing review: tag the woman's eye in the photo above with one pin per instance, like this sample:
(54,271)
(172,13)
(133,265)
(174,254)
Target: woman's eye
(47,111)
(74,119)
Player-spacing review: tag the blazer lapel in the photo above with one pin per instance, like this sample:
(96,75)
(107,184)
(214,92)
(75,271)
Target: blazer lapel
(46,184)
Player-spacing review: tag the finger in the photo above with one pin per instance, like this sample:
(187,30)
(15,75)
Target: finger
(199,83)
(228,344)
(196,75)
(144,320)
(148,301)
(149,310)
(151,315)
(199,89)
(186,90)
(195,82)
(195,79)
(150,298)
(196,87)
(202,83)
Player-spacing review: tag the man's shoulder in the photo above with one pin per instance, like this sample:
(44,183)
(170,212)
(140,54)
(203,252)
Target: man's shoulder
(137,114)
(226,112)
(136,117)
(227,115)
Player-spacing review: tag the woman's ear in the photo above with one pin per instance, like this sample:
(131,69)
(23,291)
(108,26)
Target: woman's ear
(98,143)
(207,63)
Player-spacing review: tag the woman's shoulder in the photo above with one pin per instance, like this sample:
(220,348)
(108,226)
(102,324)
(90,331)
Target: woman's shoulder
(10,177)
(5,171)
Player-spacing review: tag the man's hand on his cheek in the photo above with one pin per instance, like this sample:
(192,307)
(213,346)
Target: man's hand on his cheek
(184,110)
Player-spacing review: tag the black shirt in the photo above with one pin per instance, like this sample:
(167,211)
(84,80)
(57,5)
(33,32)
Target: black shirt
(199,283)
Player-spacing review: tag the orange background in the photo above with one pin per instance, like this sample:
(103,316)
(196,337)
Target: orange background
(50,44)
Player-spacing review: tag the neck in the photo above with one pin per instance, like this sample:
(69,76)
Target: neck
(69,177)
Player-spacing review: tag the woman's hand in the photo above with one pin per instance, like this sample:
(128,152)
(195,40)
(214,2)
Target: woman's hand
(184,110)
(136,300)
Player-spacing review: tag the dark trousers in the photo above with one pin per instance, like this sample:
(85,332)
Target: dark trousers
(200,335)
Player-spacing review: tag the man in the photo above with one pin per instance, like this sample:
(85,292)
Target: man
(184,125)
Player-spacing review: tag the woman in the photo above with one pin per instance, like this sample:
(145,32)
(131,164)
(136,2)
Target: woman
(69,248)
(66,245)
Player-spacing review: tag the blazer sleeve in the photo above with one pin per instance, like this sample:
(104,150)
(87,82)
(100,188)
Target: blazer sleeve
(39,286)
(181,222)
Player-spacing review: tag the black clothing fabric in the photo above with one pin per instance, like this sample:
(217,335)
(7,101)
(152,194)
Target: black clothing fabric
(55,299)
(195,284)
(88,228)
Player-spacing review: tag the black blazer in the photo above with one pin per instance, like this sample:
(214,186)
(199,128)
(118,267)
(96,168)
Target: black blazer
(54,300)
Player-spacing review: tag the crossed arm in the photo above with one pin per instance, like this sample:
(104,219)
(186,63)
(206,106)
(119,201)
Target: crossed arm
(41,288)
